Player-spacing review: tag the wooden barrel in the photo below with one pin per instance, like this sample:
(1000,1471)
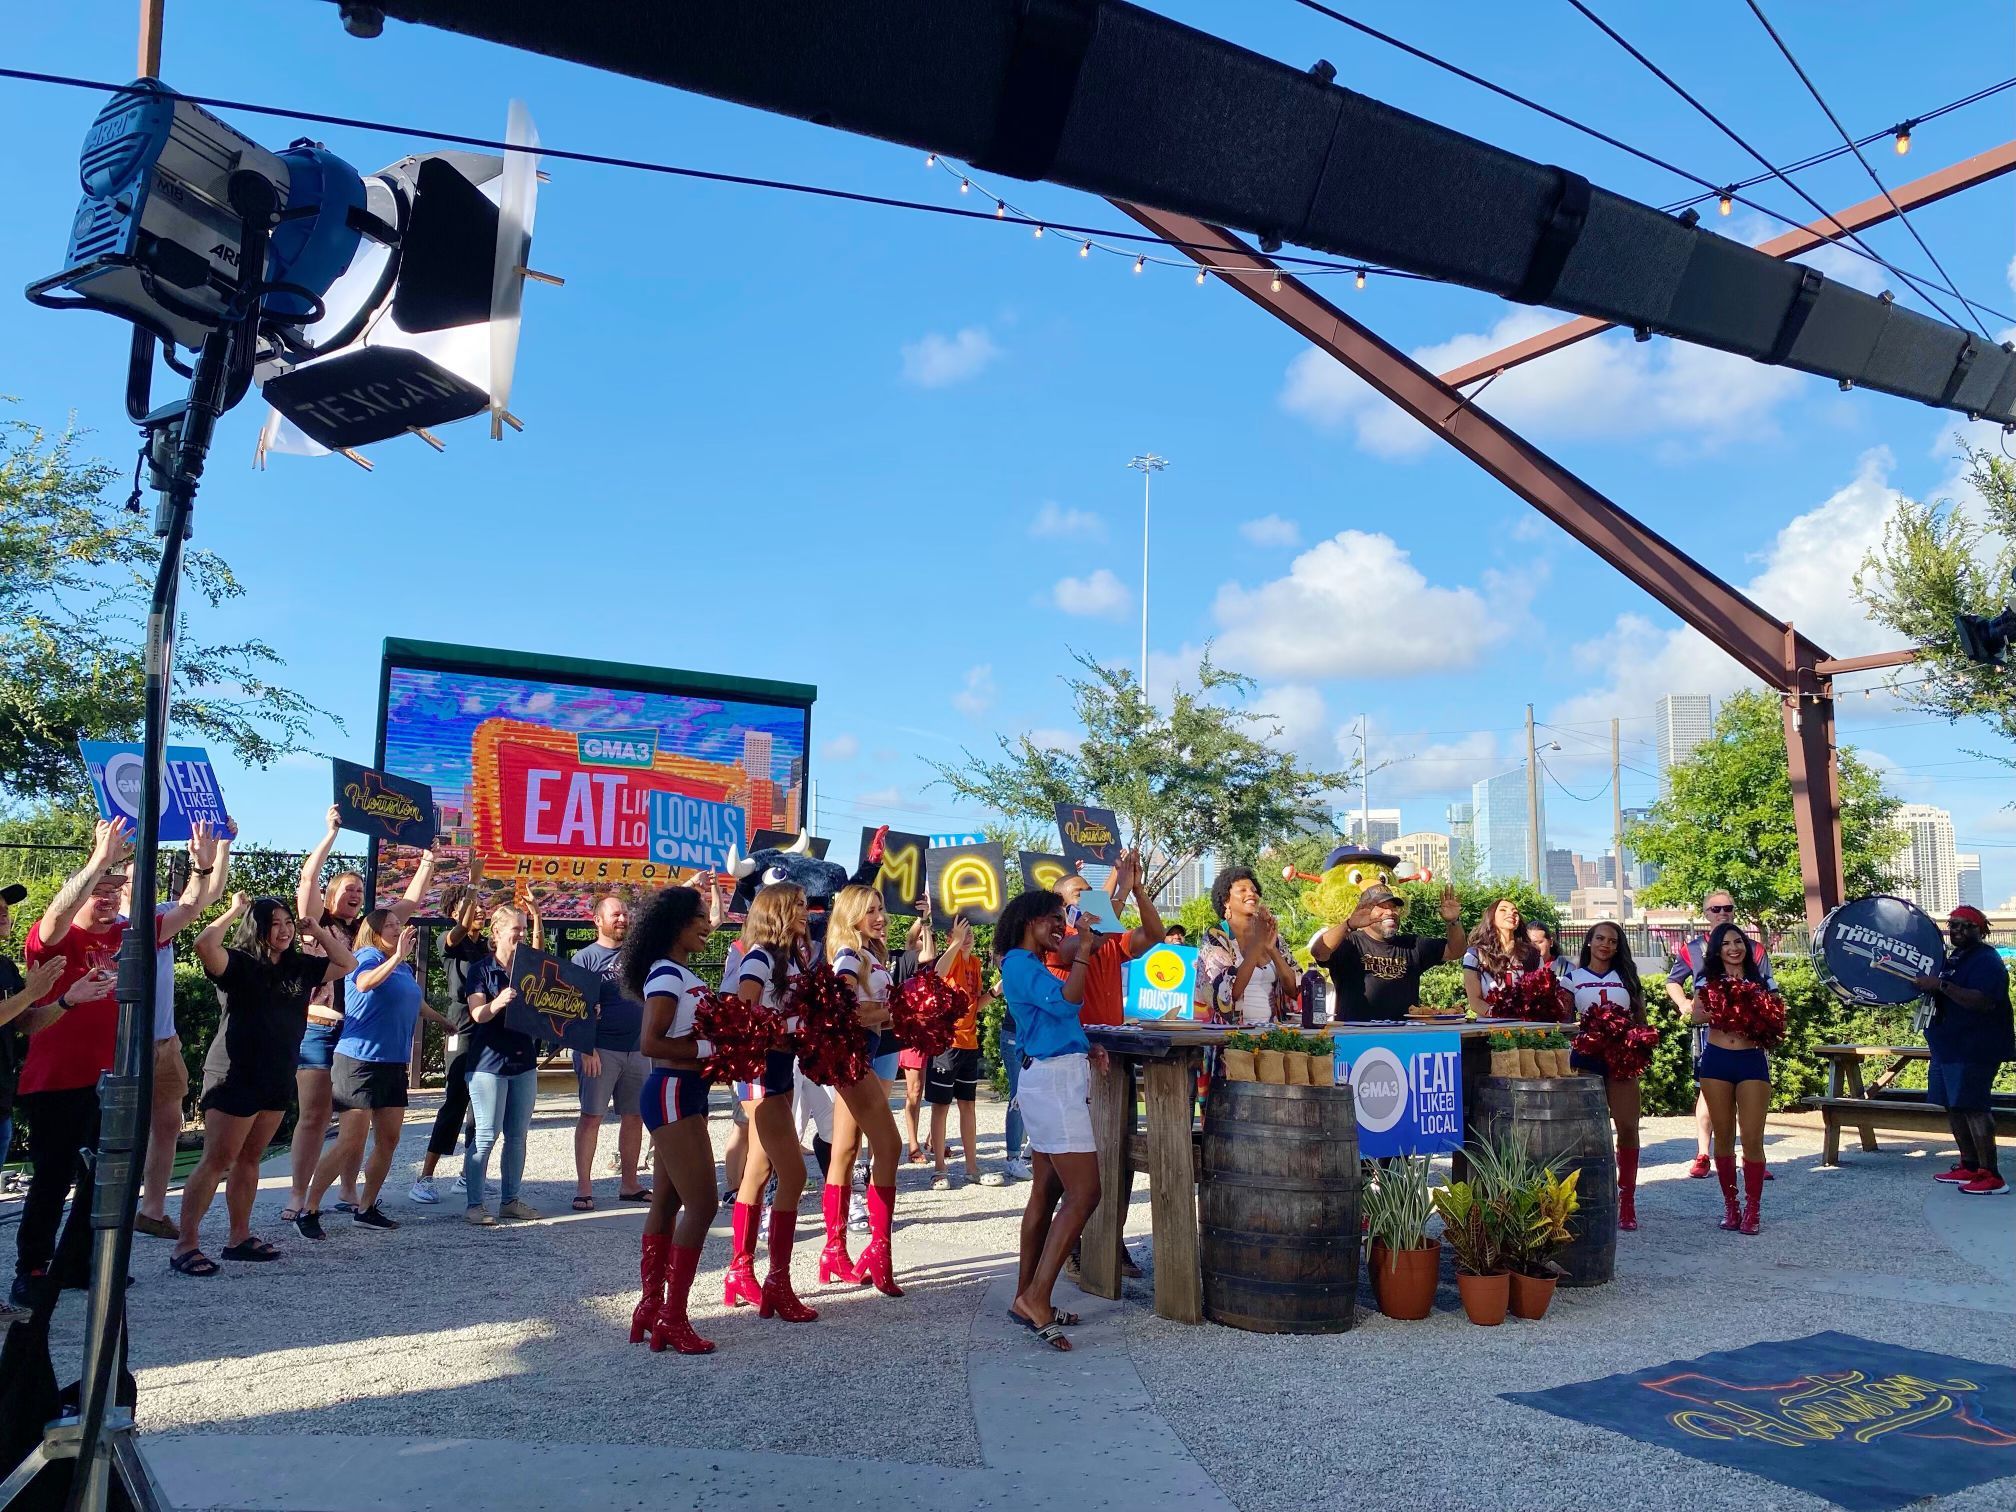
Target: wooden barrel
(1278,1208)
(1563,1121)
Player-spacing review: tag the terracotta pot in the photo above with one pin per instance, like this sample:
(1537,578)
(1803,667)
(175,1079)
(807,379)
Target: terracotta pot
(1531,1294)
(1294,1068)
(1404,1281)
(1238,1065)
(1504,1062)
(1269,1065)
(1485,1298)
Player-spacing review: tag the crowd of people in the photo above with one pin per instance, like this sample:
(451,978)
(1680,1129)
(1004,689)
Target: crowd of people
(320,1000)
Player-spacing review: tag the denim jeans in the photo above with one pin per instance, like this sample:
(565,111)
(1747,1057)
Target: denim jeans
(503,1105)
(1011,1058)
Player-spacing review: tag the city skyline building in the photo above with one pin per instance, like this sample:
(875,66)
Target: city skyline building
(1928,868)
(1378,827)
(1968,876)
(1429,851)
(1499,825)
(1681,722)
(1461,819)
(1560,871)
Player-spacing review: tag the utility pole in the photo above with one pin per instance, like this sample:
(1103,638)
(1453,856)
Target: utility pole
(1617,822)
(1147,464)
(812,823)
(1533,857)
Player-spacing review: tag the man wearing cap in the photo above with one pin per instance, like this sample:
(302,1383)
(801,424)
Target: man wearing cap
(1375,968)
(1971,1034)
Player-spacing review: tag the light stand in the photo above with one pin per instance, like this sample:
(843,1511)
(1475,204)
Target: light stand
(101,1438)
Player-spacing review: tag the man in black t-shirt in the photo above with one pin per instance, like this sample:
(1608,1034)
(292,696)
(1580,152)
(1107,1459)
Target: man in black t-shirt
(1375,968)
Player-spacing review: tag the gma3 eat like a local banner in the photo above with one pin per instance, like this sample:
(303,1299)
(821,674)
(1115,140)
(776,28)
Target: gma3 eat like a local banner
(1407,1089)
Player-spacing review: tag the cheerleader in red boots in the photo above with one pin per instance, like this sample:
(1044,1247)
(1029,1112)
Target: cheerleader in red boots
(774,943)
(668,931)
(1607,974)
(1735,1077)
(856,929)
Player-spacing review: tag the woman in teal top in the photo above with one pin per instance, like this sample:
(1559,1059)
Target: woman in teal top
(1054,1094)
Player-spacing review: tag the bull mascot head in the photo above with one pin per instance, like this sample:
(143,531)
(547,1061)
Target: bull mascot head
(795,863)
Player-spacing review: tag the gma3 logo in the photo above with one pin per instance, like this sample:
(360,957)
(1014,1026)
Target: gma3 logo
(616,748)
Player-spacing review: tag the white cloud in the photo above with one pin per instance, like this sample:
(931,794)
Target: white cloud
(1803,577)
(1054,740)
(1056,522)
(976,696)
(1607,386)
(841,748)
(1333,615)
(881,798)
(1299,711)
(1272,530)
(1407,764)
(1101,594)
(936,361)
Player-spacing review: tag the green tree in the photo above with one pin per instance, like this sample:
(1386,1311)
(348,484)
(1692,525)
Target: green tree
(1938,561)
(1202,778)
(1727,823)
(76,570)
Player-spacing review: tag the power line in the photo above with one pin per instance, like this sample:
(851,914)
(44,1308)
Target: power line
(708,175)
(1729,192)
(1813,89)
(1566,789)
(1730,132)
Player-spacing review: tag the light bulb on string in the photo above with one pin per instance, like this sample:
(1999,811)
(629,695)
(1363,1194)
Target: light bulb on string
(1726,202)
(1000,209)
(1140,262)
(965,186)
(1275,283)
(1039,233)
(1903,142)
(1200,276)
(1086,250)
(1360,279)
(931,161)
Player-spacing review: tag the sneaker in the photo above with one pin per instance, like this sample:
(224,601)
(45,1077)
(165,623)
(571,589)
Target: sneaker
(1699,1170)
(857,1213)
(26,1290)
(1960,1175)
(458,1185)
(941,1182)
(1019,1170)
(519,1209)
(373,1217)
(423,1191)
(480,1217)
(992,1179)
(309,1225)
(1987,1184)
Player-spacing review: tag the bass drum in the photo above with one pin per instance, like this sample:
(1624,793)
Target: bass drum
(1868,950)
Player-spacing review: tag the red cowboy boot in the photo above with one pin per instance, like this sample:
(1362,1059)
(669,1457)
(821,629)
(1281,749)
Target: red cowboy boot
(671,1326)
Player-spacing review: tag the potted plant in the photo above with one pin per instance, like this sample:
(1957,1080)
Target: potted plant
(1526,1042)
(1406,1262)
(1322,1058)
(1235,1056)
(1504,1053)
(1294,1065)
(1267,1060)
(1544,1214)
(1474,1227)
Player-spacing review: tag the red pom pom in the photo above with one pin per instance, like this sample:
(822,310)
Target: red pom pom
(1611,1035)
(832,1045)
(927,1010)
(1737,1005)
(1532,995)
(742,1034)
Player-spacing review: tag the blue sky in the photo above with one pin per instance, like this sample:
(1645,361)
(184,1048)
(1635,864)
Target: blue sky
(884,453)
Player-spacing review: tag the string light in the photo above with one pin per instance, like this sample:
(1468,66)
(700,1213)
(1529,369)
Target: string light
(965,186)
(1275,285)
(1140,262)
(1039,233)
(1200,277)
(1726,202)
(1360,279)
(1904,137)
(1000,209)
(1086,250)
(931,161)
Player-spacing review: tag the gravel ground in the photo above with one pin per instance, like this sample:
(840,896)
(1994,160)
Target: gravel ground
(519,1334)
(1416,1407)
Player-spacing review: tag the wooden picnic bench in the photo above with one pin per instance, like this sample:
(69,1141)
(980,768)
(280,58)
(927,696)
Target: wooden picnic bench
(1852,1100)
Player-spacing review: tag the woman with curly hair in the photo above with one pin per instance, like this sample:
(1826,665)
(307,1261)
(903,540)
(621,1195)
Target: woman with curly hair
(1250,978)
(1735,1078)
(1499,951)
(1607,974)
(856,928)
(664,937)
(775,944)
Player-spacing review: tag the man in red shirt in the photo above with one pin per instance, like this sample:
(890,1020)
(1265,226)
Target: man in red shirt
(71,1034)
(1105,999)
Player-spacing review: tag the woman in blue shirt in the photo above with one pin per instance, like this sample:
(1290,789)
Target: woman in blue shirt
(1054,1094)
(382,1004)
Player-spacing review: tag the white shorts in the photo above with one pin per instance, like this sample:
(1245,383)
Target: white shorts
(1055,1097)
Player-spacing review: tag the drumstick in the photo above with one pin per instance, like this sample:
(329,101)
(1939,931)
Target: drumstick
(1893,969)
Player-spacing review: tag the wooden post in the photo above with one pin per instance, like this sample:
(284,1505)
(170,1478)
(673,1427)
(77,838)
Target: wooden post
(1112,1114)
(150,38)
(1172,1186)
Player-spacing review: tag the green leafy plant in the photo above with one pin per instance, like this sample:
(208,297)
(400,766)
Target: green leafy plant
(1543,1214)
(1473,1226)
(1241,1041)
(1284,1040)
(1398,1204)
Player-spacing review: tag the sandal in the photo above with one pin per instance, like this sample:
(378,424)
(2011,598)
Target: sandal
(288,1215)
(348,1207)
(584,1204)
(251,1249)
(1060,1317)
(1051,1334)
(193,1263)
(158,1228)
(642,1194)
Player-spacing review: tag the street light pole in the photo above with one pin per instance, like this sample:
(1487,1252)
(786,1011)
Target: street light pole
(1147,464)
